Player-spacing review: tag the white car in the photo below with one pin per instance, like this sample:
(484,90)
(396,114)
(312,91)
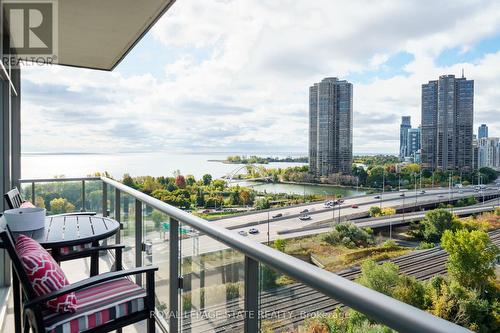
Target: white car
(305,217)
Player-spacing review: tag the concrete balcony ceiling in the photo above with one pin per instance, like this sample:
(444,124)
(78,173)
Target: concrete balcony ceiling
(98,34)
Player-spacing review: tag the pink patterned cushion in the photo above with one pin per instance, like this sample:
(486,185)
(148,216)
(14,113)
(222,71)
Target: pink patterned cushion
(27,204)
(44,274)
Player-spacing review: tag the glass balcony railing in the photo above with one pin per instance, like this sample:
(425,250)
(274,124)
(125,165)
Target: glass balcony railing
(211,279)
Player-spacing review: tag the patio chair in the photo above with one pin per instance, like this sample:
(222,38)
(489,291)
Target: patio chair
(124,302)
(14,200)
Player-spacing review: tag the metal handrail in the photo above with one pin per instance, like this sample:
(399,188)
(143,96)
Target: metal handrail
(55,180)
(384,309)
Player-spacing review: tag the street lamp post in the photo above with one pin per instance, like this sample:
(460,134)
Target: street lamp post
(339,212)
(268,238)
(416,197)
(383,188)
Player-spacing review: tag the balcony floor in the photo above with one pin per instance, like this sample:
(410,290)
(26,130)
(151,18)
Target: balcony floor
(75,270)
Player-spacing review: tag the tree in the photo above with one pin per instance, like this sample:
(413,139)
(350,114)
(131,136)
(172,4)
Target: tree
(262,203)
(190,180)
(207,179)
(180,181)
(129,181)
(471,257)
(200,198)
(61,205)
(436,222)
(381,277)
(219,184)
(375,211)
(244,197)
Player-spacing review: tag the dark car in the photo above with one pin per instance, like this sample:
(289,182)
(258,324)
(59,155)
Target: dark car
(304,211)
(377,197)
(277,215)
(253,231)
(402,195)
(354,206)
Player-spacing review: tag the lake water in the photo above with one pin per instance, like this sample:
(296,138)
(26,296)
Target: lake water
(158,164)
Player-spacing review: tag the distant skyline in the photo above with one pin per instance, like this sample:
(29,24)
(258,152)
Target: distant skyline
(233,76)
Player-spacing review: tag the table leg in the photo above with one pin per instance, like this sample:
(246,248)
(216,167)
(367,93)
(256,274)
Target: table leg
(94,261)
(16,293)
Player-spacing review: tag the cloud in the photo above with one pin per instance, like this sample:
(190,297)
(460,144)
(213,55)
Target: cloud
(234,75)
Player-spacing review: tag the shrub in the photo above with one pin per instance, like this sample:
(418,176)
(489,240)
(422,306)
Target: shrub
(425,246)
(450,301)
(410,291)
(349,235)
(375,211)
(436,222)
(388,211)
(390,243)
(381,277)
(280,244)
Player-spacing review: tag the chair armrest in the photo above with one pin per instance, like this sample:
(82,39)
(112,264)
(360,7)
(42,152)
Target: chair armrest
(90,282)
(76,214)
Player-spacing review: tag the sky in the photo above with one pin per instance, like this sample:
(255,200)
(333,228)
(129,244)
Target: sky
(233,75)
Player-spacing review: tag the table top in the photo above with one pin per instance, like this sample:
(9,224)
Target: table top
(69,230)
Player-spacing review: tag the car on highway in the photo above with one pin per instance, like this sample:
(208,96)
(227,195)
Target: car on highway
(253,231)
(422,192)
(440,196)
(304,211)
(242,233)
(340,201)
(277,215)
(305,217)
(402,195)
(354,206)
(376,197)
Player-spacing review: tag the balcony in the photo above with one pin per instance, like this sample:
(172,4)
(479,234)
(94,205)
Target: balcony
(211,279)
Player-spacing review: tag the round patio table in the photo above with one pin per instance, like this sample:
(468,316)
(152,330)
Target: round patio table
(71,230)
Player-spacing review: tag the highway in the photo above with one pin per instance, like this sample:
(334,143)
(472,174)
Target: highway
(290,226)
(317,210)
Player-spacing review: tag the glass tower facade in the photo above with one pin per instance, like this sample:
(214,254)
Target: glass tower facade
(330,127)
(482,131)
(403,136)
(447,120)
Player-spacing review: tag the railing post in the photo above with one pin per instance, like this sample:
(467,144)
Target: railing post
(138,238)
(33,201)
(173,323)
(251,295)
(118,214)
(104,199)
(83,196)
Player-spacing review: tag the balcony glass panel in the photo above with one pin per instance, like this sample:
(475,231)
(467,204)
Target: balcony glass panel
(156,226)
(213,278)
(128,230)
